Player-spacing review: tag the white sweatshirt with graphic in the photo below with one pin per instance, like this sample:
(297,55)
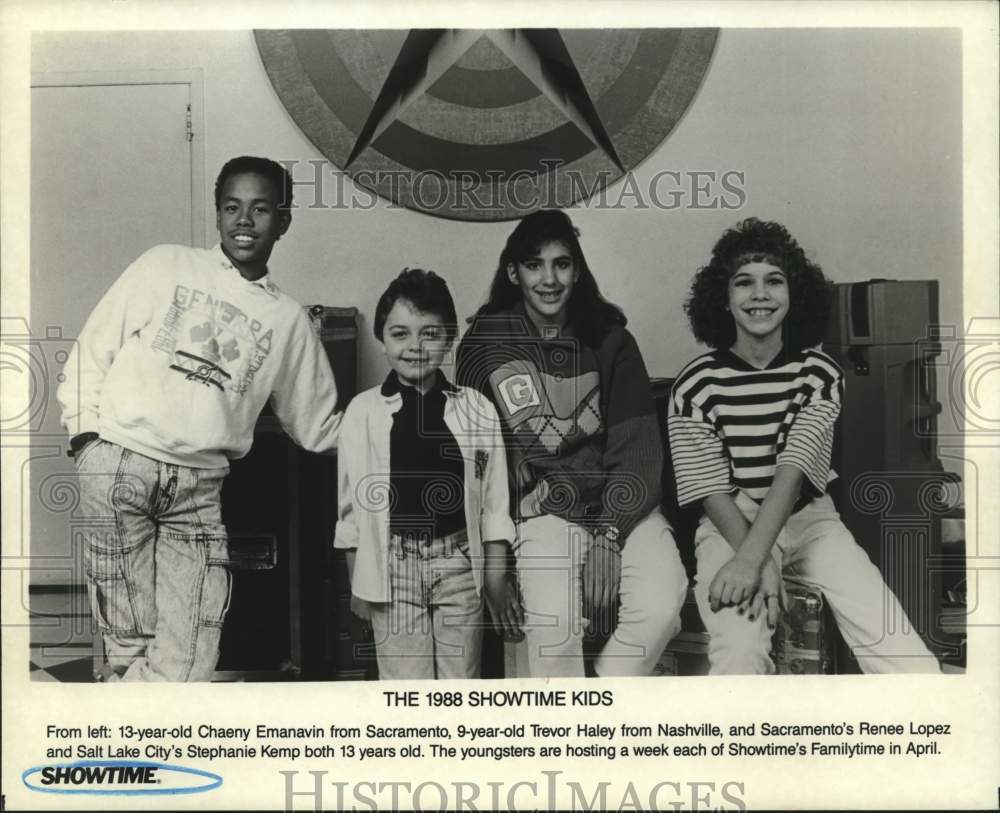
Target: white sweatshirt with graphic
(182,353)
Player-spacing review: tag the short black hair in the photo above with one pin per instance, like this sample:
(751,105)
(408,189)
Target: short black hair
(753,240)
(251,164)
(426,292)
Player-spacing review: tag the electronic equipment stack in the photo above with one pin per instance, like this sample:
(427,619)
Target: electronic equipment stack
(892,490)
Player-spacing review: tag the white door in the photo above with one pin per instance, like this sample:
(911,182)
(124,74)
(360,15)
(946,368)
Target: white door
(115,169)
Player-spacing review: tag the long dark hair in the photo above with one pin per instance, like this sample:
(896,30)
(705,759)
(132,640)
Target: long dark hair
(589,314)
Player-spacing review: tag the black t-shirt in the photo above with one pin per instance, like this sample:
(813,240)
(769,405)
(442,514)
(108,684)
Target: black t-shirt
(427,479)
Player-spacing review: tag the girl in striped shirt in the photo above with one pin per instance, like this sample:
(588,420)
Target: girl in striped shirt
(751,434)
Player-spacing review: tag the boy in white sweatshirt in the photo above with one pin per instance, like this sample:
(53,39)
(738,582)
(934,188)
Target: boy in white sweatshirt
(166,382)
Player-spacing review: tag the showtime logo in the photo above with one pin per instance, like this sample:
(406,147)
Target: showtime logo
(119,778)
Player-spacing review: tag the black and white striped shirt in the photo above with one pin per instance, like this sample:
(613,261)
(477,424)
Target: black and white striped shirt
(731,424)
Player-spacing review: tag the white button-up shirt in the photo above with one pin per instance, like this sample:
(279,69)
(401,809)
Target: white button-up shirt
(363,490)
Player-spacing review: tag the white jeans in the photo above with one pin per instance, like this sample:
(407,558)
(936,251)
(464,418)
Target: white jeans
(550,557)
(815,548)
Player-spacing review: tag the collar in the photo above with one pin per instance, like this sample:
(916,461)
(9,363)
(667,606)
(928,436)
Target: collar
(393,386)
(263,282)
(520,312)
(784,357)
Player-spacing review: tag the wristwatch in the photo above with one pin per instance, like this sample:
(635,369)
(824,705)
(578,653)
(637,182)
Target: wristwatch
(612,534)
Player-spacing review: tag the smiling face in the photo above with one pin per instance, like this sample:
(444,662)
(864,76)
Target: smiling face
(758,301)
(250,222)
(546,280)
(415,344)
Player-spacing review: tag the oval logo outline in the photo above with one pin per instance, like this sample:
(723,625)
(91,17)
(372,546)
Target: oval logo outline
(113,763)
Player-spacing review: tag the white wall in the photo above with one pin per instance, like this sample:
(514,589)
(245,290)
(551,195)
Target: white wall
(851,138)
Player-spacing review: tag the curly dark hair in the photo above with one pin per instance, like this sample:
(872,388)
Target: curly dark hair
(252,165)
(753,240)
(589,315)
(426,291)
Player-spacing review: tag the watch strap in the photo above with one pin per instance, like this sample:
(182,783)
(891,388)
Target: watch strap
(612,534)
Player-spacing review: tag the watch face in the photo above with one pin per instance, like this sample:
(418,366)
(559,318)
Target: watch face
(486,124)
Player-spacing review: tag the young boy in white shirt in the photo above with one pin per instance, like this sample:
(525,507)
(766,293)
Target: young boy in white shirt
(423,497)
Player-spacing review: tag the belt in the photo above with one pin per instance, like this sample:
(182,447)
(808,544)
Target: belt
(422,543)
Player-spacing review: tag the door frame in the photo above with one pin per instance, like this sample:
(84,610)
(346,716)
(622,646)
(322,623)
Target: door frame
(69,588)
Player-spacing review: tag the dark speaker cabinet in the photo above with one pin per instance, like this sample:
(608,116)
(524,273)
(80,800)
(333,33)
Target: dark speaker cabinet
(892,488)
(259,507)
(287,616)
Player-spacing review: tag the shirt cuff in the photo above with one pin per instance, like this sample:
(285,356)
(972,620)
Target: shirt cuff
(817,478)
(346,536)
(494,527)
(697,495)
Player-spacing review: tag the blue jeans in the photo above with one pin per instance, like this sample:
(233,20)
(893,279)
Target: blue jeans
(156,558)
(433,627)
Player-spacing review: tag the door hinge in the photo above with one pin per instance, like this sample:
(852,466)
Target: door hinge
(188,128)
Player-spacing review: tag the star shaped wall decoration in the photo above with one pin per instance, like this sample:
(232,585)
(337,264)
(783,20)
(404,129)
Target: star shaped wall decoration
(473,124)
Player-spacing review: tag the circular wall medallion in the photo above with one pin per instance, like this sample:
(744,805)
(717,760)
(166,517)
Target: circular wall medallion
(486,124)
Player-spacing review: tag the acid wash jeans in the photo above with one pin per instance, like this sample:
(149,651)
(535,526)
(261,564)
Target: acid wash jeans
(433,627)
(156,559)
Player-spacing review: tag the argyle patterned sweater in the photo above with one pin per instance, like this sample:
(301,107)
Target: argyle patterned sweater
(582,437)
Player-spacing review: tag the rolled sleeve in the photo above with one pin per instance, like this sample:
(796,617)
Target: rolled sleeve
(701,465)
(809,446)
(346,536)
(496,527)
(810,443)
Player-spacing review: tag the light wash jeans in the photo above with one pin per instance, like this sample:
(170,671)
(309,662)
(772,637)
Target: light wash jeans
(156,557)
(433,627)
(550,556)
(814,548)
